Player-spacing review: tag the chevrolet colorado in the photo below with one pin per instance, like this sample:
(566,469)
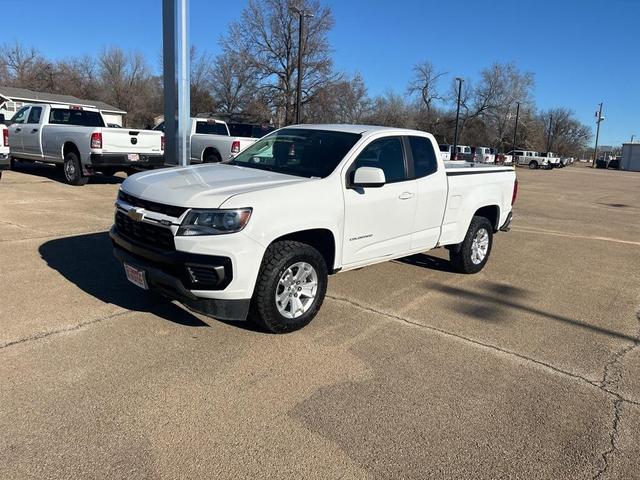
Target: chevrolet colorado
(77,140)
(257,235)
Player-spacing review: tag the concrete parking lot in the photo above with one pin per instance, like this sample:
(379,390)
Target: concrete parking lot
(529,369)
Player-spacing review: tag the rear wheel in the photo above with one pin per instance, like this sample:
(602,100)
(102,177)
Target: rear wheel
(533,165)
(472,254)
(211,156)
(290,288)
(73,170)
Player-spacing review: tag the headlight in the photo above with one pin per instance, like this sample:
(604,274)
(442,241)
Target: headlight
(214,222)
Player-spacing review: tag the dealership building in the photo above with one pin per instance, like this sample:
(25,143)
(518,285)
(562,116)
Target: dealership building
(630,159)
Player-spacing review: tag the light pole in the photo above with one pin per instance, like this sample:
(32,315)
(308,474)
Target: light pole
(632,137)
(301,16)
(599,118)
(549,133)
(455,135)
(515,129)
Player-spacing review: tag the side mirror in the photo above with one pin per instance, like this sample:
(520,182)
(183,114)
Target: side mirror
(368,177)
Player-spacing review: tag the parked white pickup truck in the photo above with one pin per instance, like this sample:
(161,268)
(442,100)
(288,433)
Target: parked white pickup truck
(259,234)
(211,141)
(77,141)
(4,148)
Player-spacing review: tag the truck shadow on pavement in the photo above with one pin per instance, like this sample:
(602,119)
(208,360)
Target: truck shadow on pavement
(498,297)
(87,262)
(427,261)
(50,172)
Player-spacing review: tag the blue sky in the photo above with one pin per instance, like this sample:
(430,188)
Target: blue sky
(582,52)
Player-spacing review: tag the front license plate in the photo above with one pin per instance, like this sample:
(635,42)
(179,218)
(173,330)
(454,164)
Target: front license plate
(133,157)
(136,276)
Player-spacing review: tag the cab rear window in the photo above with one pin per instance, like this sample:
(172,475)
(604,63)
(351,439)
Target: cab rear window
(82,118)
(212,128)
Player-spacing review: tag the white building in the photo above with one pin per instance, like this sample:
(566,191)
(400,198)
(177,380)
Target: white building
(630,159)
(12,99)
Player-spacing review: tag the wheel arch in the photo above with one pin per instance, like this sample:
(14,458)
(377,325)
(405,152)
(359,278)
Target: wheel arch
(212,150)
(322,239)
(491,213)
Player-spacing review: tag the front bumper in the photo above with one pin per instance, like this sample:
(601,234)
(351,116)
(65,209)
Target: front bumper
(122,160)
(169,273)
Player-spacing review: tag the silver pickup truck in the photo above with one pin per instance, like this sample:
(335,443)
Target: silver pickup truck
(212,140)
(77,141)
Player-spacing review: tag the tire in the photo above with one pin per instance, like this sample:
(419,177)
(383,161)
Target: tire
(12,163)
(211,157)
(462,257)
(533,165)
(72,170)
(281,261)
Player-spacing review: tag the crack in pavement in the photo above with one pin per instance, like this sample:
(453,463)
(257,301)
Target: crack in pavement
(604,385)
(71,328)
(489,346)
(613,439)
(609,381)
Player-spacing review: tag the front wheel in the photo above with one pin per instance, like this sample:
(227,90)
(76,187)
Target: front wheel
(73,170)
(533,165)
(472,254)
(290,288)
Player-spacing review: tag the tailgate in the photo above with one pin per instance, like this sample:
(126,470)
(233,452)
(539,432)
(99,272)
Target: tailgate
(123,140)
(246,141)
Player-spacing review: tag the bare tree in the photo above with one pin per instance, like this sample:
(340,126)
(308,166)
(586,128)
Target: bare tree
(267,34)
(201,88)
(233,82)
(425,84)
(127,83)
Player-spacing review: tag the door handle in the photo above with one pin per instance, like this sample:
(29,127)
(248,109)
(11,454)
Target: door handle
(406,195)
(34,130)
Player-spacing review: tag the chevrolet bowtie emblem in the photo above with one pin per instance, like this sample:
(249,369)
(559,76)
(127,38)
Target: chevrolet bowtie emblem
(136,214)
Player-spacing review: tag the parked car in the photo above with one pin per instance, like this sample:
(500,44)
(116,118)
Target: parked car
(445,151)
(257,235)
(5,162)
(76,140)
(553,160)
(601,162)
(483,155)
(614,163)
(529,158)
(211,140)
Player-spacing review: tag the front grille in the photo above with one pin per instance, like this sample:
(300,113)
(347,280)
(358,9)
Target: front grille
(169,210)
(143,233)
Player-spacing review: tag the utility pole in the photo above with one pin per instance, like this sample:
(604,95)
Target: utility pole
(177,101)
(515,128)
(549,133)
(455,135)
(632,137)
(599,119)
(301,16)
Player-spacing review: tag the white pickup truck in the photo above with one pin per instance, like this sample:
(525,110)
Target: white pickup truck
(4,148)
(211,141)
(257,236)
(77,141)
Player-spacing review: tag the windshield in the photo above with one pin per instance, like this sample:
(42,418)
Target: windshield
(298,151)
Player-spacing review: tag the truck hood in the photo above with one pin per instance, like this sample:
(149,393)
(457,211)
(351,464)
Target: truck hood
(202,186)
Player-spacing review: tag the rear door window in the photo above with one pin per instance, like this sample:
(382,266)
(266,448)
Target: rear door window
(424,157)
